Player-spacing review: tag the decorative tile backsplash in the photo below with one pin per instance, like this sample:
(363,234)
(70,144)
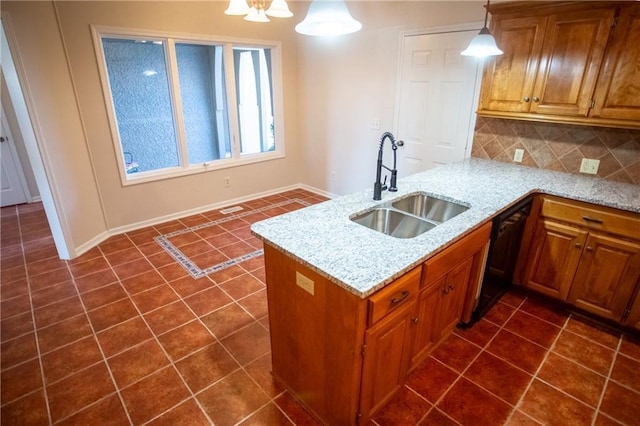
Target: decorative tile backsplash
(560,146)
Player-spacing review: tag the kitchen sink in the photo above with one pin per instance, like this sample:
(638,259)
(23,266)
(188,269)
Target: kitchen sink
(430,208)
(410,216)
(393,222)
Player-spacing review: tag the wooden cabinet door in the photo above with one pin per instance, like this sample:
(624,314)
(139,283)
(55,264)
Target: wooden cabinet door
(426,321)
(452,298)
(508,79)
(571,56)
(606,277)
(554,256)
(618,92)
(633,320)
(386,359)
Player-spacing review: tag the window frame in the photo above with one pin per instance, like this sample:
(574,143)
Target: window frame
(169,40)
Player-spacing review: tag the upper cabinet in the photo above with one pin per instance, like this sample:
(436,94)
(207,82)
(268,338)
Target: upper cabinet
(573,62)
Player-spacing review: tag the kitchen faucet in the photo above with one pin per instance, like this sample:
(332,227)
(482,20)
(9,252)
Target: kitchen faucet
(379,186)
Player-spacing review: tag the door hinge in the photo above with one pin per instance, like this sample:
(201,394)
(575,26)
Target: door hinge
(364,349)
(592,103)
(625,314)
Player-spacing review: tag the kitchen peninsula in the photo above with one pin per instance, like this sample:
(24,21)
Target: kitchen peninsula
(340,294)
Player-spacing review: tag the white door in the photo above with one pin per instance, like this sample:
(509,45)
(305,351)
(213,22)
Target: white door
(12,181)
(438,97)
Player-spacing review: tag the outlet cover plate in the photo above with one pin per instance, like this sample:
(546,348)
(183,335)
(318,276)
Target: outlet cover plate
(589,166)
(517,155)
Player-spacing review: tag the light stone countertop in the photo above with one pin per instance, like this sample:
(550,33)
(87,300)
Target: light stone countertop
(362,260)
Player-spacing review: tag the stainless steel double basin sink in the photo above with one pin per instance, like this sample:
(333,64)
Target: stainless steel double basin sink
(409,216)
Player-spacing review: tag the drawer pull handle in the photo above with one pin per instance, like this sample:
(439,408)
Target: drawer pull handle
(401,298)
(591,219)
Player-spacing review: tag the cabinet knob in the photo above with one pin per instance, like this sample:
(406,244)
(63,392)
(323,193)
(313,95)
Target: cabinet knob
(536,99)
(415,320)
(578,245)
(589,248)
(526,99)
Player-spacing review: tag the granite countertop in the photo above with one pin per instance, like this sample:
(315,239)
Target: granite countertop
(362,261)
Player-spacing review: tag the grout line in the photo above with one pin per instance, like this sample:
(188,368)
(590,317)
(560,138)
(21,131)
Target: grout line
(607,380)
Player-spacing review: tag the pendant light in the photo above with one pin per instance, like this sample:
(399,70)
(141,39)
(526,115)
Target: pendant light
(328,18)
(279,9)
(483,44)
(254,10)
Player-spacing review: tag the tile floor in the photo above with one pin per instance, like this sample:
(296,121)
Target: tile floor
(123,335)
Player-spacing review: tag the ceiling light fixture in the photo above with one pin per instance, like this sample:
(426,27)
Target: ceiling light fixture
(483,44)
(254,11)
(328,18)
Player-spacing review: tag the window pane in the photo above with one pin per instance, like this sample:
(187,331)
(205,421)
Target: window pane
(254,95)
(140,92)
(204,100)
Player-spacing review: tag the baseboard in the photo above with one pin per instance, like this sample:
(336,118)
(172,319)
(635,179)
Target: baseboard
(85,247)
(36,199)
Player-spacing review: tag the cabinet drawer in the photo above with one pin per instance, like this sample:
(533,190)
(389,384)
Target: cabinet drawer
(625,224)
(394,295)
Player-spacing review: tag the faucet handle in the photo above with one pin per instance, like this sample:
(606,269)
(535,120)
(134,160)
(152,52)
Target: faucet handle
(384,183)
(400,143)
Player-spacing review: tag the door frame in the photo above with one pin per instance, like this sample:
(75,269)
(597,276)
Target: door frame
(470,26)
(16,158)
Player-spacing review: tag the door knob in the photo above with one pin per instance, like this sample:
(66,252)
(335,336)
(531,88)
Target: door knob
(578,245)
(536,99)
(589,248)
(415,320)
(2,139)
(526,99)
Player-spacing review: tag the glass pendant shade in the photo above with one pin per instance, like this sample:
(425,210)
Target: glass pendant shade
(482,45)
(237,7)
(256,15)
(328,18)
(279,9)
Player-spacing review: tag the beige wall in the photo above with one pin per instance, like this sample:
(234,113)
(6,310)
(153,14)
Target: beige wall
(333,88)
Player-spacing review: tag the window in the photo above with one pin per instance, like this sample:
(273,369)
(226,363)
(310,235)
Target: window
(179,105)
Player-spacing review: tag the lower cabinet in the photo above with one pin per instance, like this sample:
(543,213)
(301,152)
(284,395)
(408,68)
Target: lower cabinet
(633,314)
(585,255)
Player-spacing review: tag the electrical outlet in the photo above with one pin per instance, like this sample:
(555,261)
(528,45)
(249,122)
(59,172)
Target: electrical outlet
(589,166)
(227,181)
(374,124)
(517,155)
(333,175)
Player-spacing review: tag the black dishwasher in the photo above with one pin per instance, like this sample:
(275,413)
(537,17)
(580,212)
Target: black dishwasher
(506,234)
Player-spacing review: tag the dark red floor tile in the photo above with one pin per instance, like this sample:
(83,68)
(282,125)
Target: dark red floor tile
(29,410)
(88,255)
(572,378)
(44,266)
(173,271)
(14,306)
(518,418)
(260,372)
(155,298)
(187,413)
(186,286)
(185,340)
(227,320)
(149,249)
(232,399)
(256,304)
(234,224)
(206,366)
(18,350)
(552,407)
(480,333)
(437,418)
(456,353)
(123,336)
(167,390)
(471,405)
(13,274)
(123,256)
(169,317)
(241,286)
(15,326)
(431,379)
(517,351)
(142,282)
(248,344)
(604,420)
(168,227)
(194,220)
(223,239)
(236,250)
(54,293)
(42,281)
(184,239)
(132,269)
(630,347)
(95,280)
(58,311)
(295,411)
(13,289)
(499,313)
(137,362)
(116,243)
(593,332)
(89,267)
(41,254)
(621,403)
(161,259)
(106,412)
(208,259)
(209,231)
(72,394)
(63,333)
(404,408)
(142,236)
(208,300)
(498,377)
(532,328)
(102,296)
(267,415)
(544,312)
(584,352)
(195,248)
(70,359)
(20,380)
(112,314)
(626,371)
(226,274)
